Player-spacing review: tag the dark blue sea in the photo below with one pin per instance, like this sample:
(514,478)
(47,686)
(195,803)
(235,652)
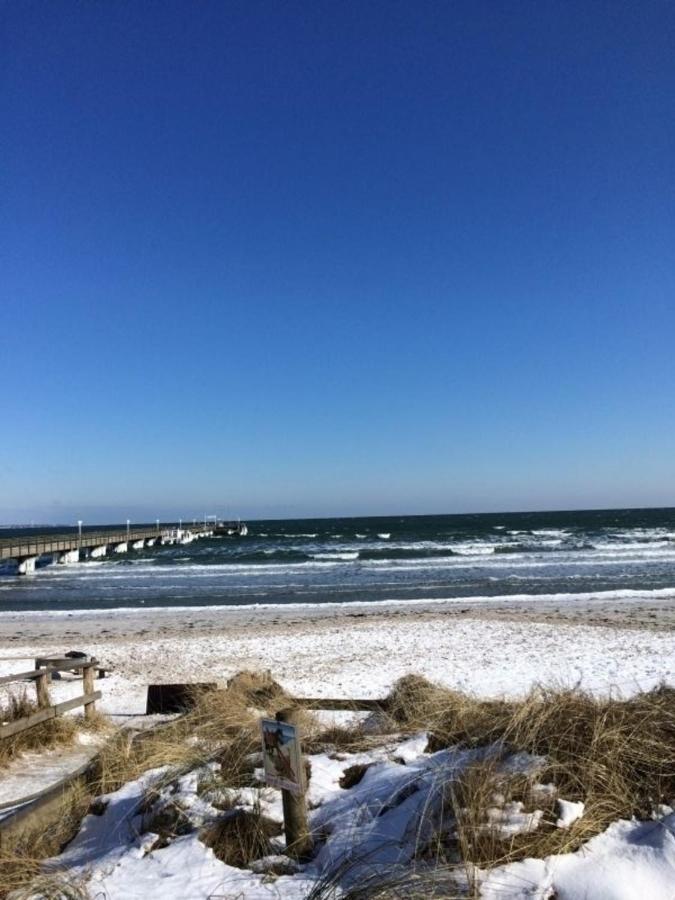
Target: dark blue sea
(612,553)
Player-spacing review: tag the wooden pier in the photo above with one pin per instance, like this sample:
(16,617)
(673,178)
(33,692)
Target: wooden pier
(69,546)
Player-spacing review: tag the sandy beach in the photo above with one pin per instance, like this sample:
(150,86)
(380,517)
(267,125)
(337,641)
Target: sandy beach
(360,649)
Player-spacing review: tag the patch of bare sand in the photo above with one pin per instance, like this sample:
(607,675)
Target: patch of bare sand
(85,626)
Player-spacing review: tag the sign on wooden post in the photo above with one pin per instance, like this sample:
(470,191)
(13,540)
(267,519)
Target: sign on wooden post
(282,760)
(284,768)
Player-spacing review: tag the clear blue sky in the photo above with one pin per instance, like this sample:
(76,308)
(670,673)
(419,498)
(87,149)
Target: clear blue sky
(333,258)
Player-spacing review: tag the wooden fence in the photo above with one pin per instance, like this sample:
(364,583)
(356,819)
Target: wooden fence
(41,676)
(350,704)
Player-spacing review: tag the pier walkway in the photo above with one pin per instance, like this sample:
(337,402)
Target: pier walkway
(71,546)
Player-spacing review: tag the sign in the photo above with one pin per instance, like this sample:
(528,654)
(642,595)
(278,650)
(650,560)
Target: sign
(282,759)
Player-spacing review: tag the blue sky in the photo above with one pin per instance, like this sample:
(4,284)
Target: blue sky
(316,258)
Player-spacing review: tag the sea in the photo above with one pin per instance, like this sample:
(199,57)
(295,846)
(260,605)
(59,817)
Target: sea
(567,556)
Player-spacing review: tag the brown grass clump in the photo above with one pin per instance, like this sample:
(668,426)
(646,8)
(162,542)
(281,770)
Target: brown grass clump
(452,717)
(257,689)
(617,756)
(54,886)
(413,700)
(239,759)
(239,837)
(22,852)
(339,739)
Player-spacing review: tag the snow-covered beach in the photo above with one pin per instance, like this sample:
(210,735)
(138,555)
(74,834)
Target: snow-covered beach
(360,650)
(610,643)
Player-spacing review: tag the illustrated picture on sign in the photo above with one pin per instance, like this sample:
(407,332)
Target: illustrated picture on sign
(281,756)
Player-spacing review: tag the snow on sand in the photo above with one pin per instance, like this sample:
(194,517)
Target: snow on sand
(371,831)
(338,657)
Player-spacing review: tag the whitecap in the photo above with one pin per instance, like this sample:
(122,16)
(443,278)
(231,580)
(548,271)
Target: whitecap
(384,536)
(346,557)
(550,532)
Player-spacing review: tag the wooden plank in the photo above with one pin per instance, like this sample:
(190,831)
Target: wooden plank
(61,663)
(348,703)
(28,722)
(64,666)
(72,662)
(44,715)
(76,701)
(22,676)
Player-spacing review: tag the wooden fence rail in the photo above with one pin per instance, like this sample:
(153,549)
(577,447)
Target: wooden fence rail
(41,676)
(351,704)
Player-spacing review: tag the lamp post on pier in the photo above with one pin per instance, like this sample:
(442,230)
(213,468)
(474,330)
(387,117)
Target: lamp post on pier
(128,523)
(79,534)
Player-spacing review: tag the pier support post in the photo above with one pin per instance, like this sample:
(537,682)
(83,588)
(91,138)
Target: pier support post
(69,556)
(26,565)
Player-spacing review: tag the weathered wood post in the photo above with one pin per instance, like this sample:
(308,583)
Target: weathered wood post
(42,690)
(299,841)
(39,663)
(88,686)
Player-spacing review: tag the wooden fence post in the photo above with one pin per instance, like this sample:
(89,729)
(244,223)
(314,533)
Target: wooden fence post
(42,691)
(39,663)
(88,686)
(299,841)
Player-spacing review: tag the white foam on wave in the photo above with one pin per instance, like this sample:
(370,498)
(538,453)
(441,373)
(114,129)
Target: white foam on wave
(583,596)
(550,532)
(345,557)
(469,549)
(384,536)
(516,561)
(634,546)
(162,573)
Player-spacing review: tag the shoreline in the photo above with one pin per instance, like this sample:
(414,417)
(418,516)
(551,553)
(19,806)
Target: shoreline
(647,611)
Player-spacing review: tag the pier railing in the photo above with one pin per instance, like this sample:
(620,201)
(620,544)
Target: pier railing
(38,544)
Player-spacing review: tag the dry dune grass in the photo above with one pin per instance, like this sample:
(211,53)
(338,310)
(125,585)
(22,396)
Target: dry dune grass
(617,756)
(52,733)
(240,836)
(221,725)
(21,856)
